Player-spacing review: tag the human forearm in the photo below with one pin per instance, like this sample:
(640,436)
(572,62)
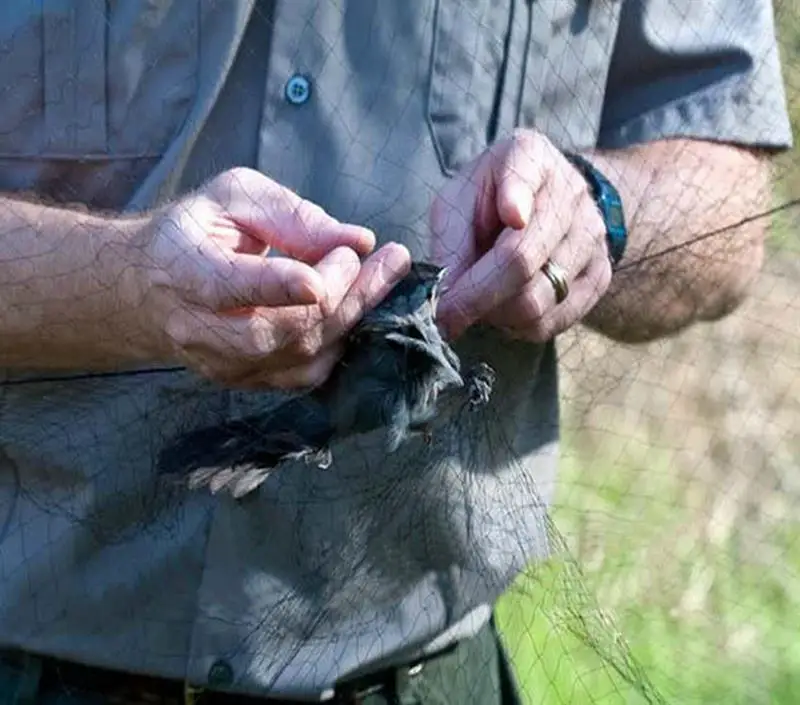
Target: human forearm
(674,192)
(60,277)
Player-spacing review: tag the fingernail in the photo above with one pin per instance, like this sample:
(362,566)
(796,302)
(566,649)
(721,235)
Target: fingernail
(522,200)
(367,239)
(397,259)
(307,289)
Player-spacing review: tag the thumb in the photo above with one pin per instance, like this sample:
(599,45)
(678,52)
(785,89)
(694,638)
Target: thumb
(277,216)
(452,229)
(246,281)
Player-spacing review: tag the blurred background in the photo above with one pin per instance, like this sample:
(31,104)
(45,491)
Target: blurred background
(679,497)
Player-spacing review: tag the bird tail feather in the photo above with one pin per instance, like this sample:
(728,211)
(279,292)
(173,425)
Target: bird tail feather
(240,454)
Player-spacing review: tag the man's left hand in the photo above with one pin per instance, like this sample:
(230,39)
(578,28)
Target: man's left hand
(516,206)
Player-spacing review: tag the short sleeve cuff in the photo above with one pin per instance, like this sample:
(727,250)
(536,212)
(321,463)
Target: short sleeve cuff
(723,112)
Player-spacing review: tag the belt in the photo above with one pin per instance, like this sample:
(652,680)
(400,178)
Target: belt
(32,675)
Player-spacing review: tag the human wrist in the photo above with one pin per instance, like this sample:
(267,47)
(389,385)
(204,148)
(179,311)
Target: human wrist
(64,279)
(123,273)
(609,202)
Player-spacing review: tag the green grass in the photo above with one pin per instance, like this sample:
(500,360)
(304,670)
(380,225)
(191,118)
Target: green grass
(738,646)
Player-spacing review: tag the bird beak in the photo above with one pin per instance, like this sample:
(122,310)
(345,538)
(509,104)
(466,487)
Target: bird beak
(451,376)
(440,279)
(439,289)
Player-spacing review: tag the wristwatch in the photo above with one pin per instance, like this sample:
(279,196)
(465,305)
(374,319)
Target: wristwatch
(608,202)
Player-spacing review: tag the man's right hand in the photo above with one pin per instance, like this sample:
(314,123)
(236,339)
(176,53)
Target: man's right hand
(198,287)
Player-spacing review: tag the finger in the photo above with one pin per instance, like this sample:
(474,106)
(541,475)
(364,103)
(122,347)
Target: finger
(225,232)
(339,270)
(502,272)
(587,289)
(519,173)
(526,308)
(261,345)
(375,279)
(242,350)
(208,273)
(495,191)
(300,328)
(357,290)
(278,216)
(252,337)
(572,255)
(231,281)
(518,255)
(307,330)
(247,245)
(378,275)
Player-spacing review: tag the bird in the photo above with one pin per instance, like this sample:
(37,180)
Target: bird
(394,368)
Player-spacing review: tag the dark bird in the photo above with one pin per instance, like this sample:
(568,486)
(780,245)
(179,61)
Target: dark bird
(393,370)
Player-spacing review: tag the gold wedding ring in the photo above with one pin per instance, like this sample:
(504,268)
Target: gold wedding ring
(558,278)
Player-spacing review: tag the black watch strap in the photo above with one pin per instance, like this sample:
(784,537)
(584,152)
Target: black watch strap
(608,202)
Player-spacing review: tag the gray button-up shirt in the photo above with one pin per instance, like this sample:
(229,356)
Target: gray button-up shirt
(366,107)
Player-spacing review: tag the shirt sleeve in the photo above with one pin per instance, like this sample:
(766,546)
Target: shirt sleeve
(706,69)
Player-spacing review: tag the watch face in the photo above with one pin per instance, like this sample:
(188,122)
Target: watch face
(615,217)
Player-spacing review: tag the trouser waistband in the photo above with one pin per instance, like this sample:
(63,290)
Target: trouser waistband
(31,677)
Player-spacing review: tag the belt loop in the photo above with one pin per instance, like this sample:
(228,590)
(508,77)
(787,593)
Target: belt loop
(27,688)
(190,693)
(403,688)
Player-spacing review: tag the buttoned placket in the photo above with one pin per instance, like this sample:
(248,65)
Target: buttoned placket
(296,63)
(292,67)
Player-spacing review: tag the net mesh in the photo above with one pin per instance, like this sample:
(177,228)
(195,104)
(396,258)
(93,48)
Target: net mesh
(674,567)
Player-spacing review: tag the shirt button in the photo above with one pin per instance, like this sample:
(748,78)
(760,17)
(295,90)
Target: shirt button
(298,89)
(220,673)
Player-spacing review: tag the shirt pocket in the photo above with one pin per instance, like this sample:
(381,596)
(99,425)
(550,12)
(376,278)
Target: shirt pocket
(95,78)
(568,58)
(466,74)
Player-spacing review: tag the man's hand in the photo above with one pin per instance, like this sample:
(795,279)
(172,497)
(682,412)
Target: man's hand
(203,291)
(495,226)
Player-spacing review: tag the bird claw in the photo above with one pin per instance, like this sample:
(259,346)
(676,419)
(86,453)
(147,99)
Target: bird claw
(480,383)
(322,458)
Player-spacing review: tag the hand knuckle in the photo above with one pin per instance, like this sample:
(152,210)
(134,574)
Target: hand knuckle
(538,333)
(227,184)
(207,290)
(258,343)
(312,378)
(519,260)
(525,138)
(231,178)
(530,308)
(307,213)
(306,345)
(206,367)
(222,183)
(177,330)
(295,378)
(281,382)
